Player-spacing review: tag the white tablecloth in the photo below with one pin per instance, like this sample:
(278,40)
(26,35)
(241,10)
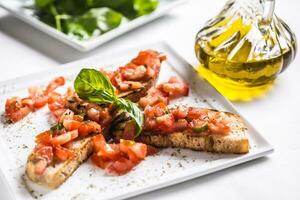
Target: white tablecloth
(24,50)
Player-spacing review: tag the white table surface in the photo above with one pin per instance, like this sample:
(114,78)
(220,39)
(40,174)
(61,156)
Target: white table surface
(24,50)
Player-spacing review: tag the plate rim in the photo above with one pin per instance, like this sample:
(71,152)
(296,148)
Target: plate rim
(266,149)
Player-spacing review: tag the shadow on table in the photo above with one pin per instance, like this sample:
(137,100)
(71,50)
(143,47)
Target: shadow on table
(200,181)
(52,47)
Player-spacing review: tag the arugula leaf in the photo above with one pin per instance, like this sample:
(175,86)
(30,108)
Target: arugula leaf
(93,23)
(93,86)
(129,8)
(43,3)
(133,111)
(85,19)
(144,7)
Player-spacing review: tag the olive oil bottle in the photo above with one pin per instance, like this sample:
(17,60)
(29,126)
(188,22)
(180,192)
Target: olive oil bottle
(244,48)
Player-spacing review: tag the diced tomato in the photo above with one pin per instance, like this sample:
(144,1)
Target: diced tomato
(139,149)
(153,97)
(44,151)
(133,72)
(84,128)
(28,102)
(62,153)
(64,138)
(59,81)
(103,149)
(175,88)
(120,166)
(71,124)
(56,101)
(101,161)
(219,125)
(179,112)
(165,123)
(180,125)
(149,124)
(89,127)
(44,138)
(151,59)
(40,166)
(15,110)
(119,158)
(197,113)
(38,96)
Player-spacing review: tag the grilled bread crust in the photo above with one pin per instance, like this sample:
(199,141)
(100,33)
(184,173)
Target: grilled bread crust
(234,142)
(57,174)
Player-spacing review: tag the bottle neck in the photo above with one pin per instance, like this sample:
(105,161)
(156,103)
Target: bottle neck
(269,6)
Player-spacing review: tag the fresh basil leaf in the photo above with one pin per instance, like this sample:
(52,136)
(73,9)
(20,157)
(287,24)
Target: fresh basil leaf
(133,110)
(92,85)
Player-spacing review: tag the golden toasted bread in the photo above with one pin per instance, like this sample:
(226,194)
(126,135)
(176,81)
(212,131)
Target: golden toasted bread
(236,141)
(59,172)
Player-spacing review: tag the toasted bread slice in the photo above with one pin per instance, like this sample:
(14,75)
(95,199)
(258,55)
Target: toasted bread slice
(58,173)
(55,175)
(234,142)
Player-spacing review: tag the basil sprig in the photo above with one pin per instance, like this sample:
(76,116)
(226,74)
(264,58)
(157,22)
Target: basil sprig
(93,86)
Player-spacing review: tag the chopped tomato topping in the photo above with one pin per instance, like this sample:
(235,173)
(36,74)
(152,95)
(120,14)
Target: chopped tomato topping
(175,88)
(44,138)
(15,110)
(84,128)
(119,158)
(40,167)
(142,68)
(64,138)
(59,81)
(62,153)
(38,96)
(159,119)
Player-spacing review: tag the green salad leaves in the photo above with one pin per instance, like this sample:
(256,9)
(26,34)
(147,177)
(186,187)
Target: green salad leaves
(93,86)
(85,19)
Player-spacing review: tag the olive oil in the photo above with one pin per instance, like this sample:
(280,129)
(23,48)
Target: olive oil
(239,80)
(241,54)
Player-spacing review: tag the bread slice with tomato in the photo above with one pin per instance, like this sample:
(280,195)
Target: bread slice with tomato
(50,164)
(58,172)
(209,130)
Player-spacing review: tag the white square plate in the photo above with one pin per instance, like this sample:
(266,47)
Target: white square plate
(169,167)
(19,10)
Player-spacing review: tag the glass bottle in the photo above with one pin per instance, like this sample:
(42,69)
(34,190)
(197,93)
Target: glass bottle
(244,48)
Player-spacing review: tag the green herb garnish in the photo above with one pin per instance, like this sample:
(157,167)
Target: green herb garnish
(93,86)
(200,129)
(85,19)
(57,127)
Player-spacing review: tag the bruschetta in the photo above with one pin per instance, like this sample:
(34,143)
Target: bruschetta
(53,161)
(188,127)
